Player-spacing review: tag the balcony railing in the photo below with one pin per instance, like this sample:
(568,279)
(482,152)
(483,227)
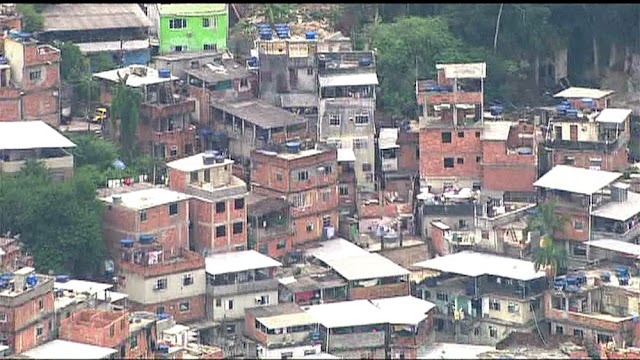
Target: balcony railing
(187,262)
(163,111)
(627,236)
(584,145)
(243,288)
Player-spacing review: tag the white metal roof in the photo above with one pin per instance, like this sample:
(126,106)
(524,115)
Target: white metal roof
(580,92)
(347,313)
(148,198)
(366,266)
(81,286)
(576,180)
(496,130)
(473,264)
(388,138)
(348,79)
(620,211)
(464,71)
(404,310)
(336,249)
(62,349)
(616,245)
(112,46)
(22,135)
(237,261)
(287,320)
(195,163)
(176,329)
(346,155)
(614,116)
(151,77)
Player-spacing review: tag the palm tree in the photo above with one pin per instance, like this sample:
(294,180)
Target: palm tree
(548,255)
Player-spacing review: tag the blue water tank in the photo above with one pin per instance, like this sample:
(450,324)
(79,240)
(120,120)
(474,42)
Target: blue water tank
(32,280)
(253,61)
(3,60)
(280,26)
(163,316)
(3,283)
(565,103)
(572,112)
(587,101)
(146,239)
(163,348)
(266,35)
(126,243)
(310,35)
(293,146)
(314,335)
(62,278)
(164,73)
(562,107)
(6,276)
(525,151)
(365,61)
(263,26)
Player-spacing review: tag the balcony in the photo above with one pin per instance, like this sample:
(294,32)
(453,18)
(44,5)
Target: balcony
(250,287)
(438,98)
(275,341)
(65,162)
(189,261)
(163,111)
(627,236)
(609,145)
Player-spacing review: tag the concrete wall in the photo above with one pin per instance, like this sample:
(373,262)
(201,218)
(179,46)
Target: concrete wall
(142,290)
(240,303)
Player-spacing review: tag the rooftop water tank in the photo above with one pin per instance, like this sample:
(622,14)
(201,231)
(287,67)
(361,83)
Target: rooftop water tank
(219,158)
(208,159)
(365,61)
(587,101)
(293,146)
(280,26)
(263,26)
(32,280)
(565,103)
(146,239)
(572,112)
(126,243)
(525,151)
(266,35)
(310,35)
(163,348)
(3,60)
(164,73)
(252,62)
(163,316)
(62,278)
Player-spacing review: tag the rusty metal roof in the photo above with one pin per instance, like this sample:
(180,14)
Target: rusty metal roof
(89,16)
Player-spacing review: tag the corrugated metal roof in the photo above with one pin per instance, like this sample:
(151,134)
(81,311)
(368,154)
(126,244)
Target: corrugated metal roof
(496,130)
(620,211)
(191,9)
(22,135)
(464,71)
(613,116)
(580,92)
(287,320)
(103,46)
(388,138)
(298,100)
(576,180)
(348,79)
(238,261)
(616,245)
(90,16)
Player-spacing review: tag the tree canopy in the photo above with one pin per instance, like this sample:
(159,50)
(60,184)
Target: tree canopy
(59,222)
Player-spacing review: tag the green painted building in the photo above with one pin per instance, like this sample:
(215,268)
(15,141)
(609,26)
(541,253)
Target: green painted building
(192,27)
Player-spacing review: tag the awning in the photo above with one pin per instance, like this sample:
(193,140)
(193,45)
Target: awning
(346,155)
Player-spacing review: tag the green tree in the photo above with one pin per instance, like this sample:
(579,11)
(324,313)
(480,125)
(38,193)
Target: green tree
(32,20)
(125,108)
(275,13)
(59,222)
(548,255)
(92,150)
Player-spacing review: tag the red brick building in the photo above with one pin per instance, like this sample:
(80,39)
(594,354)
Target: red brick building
(30,82)
(268,225)
(9,18)
(218,210)
(165,128)
(26,310)
(110,329)
(308,179)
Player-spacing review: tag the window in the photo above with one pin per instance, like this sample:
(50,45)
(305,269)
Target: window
(40,330)
(174,151)
(161,284)
(569,160)
(326,221)
(173,209)
(448,163)
(494,305)
(193,176)
(462,223)
(442,296)
(212,47)
(476,331)
(328,169)
(301,200)
(578,225)
(177,23)
(263,300)
(143,215)
(187,280)
(221,231)
(184,307)
(309,227)
(460,161)
(230,304)
(460,134)
(303,175)
(237,228)
(286,355)
(360,143)
(112,330)
(309,71)
(231,328)
(478,134)
(279,175)
(366,167)
(478,159)
(134,341)
(362,119)
(578,333)
(206,22)
(40,304)
(244,83)
(595,163)
(326,195)
(281,244)
(238,204)
(218,302)
(179,48)
(580,250)
(160,310)
(446,137)
(513,307)
(343,190)
(3,317)
(309,352)
(559,330)
(263,249)
(604,338)
(220,207)
(207,175)
(368,177)
(493,332)
(35,75)
(334,120)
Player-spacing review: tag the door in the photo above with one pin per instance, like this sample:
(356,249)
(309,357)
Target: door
(573,133)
